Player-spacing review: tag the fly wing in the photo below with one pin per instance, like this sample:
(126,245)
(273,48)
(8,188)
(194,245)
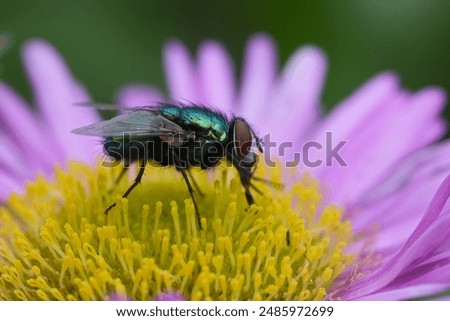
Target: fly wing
(138,123)
(104,106)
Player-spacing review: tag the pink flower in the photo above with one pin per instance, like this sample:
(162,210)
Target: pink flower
(395,163)
(170,296)
(394,189)
(35,139)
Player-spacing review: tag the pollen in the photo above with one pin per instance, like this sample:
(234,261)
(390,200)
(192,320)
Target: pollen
(56,243)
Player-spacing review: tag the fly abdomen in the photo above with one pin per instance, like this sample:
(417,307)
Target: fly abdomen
(125,149)
(200,153)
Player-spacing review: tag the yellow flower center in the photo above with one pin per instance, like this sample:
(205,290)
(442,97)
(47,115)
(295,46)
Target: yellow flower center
(56,243)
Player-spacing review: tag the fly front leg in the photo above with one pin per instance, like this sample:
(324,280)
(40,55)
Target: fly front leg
(245,175)
(246,184)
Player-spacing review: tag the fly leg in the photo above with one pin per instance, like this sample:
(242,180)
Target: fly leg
(136,182)
(180,167)
(195,185)
(119,178)
(268,182)
(245,180)
(245,174)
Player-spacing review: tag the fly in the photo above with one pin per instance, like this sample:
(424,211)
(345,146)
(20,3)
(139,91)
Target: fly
(179,136)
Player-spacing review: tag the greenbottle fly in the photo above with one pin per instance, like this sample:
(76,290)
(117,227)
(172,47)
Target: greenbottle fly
(183,136)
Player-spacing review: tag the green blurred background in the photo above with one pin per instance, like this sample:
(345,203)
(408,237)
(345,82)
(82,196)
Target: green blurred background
(108,43)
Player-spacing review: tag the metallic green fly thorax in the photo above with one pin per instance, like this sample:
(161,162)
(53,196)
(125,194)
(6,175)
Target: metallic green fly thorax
(215,125)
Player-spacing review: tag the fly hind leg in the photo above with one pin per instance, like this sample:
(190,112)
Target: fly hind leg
(136,182)
(195,185)
(183,171)
(119,178)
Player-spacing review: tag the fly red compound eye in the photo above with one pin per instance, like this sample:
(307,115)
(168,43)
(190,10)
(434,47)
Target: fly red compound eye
(242,137)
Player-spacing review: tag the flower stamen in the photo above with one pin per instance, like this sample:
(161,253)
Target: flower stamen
(56,243)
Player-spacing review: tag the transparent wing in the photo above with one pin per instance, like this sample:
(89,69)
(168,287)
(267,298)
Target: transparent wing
(113,107)
(140,122)
(104,106)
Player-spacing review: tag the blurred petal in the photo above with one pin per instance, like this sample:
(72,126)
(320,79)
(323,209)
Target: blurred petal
(22,125)
(345,119)
(180,72)
(138,95)
(348,115)
(12,161)
(8,184)
(296,105)
(55,92)
(170,296)
(117,297)
(373,150)
(258,76)
(216,76)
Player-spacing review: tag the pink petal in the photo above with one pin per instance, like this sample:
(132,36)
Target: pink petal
(296,106)
(13,161)
(116,297)
(258,76)
(424,243)
(138,95)
(434,210)
(169,296)
(403,196)
(22,126)
(411,292)
(9,184)
(373,150)
(55,92)
(216,76)
(436,270)
(416,168)
(347,116)
(180,72)
(430,233)
(394,234)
